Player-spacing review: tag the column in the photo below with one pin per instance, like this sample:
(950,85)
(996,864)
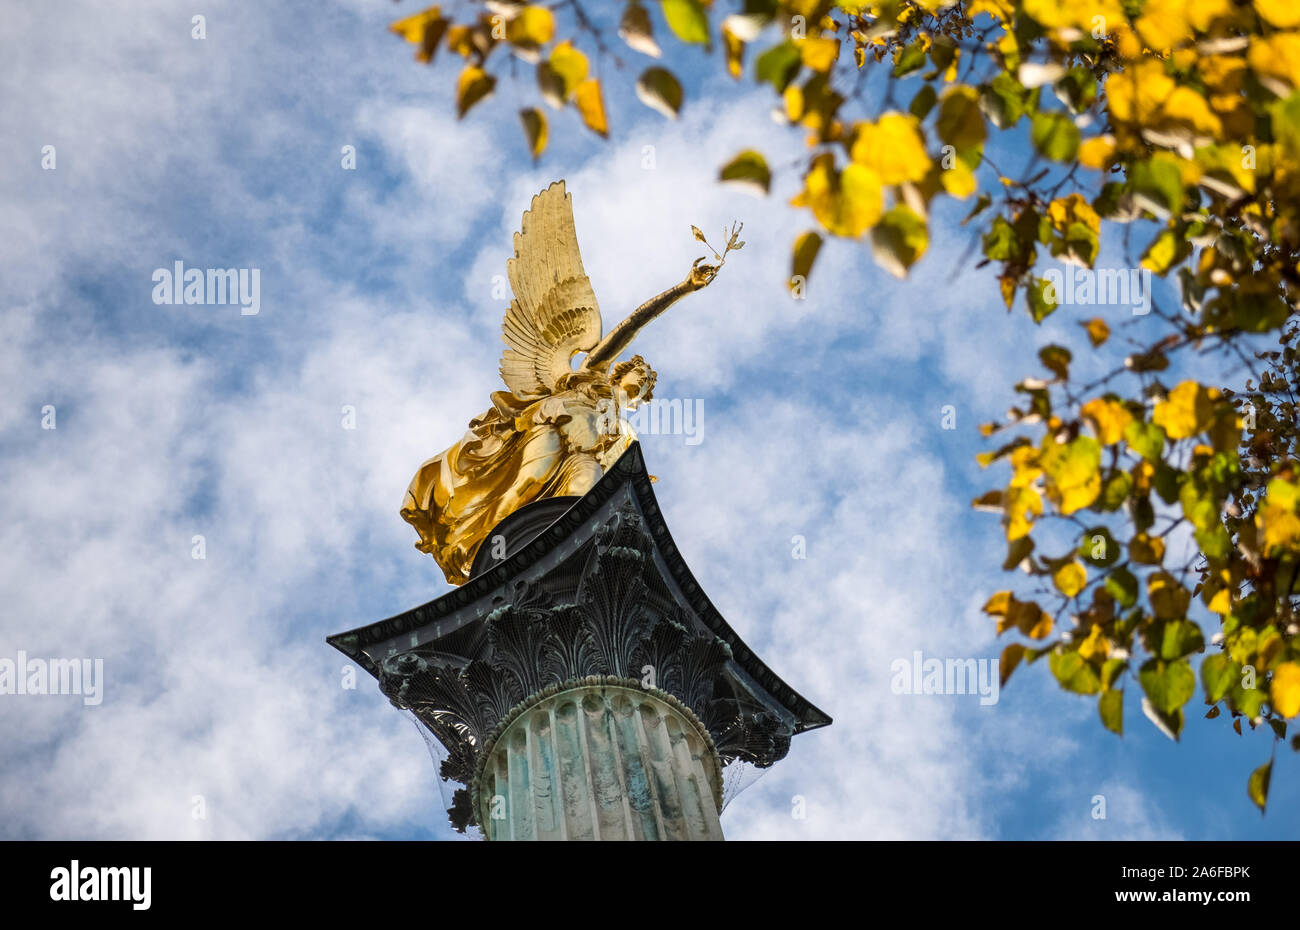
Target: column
(609,760)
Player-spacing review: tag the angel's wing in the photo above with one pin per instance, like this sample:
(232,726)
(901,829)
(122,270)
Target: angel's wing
(554,314)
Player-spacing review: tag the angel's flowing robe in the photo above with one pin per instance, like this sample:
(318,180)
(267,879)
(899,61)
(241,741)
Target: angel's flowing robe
(515,453)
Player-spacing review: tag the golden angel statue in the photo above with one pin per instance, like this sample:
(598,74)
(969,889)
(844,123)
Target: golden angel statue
(559,425)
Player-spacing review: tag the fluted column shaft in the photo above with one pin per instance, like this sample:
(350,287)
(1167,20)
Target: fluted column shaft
(604,761)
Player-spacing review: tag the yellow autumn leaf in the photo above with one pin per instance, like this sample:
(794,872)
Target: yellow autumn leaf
(1223,74)
(1163,24)
(1008,661)
(591,106)
(569,65)
(1098,331)
(1070,578)
(1026,616)
(1186,106)
(1025,466)
(1282,14)
(1096,646)
(1276,519)
(412,27)
(1284,694)
(1202,13)
(533,26)
(1108,419)
(1187,411)
(1073,470)
(535,129)
(474,85)
(1030,619)
(846,203)
(735,50)
(460,39)
(424,29)
(819,54)
(1146,550)
(1137,93)
(958,181)
(1074,14)
(999,604)
(1277,56)
(1001,10)
(892,147)
(1019,502)
(792,97)
(1066,211)
(1097,153)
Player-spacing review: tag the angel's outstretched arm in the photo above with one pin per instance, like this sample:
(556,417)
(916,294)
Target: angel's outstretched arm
(621,336)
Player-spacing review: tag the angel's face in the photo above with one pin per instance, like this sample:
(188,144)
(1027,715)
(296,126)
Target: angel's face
(633,386)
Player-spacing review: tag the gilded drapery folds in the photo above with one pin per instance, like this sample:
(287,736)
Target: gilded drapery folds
(558,426)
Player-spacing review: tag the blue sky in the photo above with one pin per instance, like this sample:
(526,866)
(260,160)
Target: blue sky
(822,419)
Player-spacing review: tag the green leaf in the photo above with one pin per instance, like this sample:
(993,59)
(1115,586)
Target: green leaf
(1257,787)
(1254,312)
(1079,242)
(748,170)
(1218,673)
(960,122)
(1003,100)
(1056,359)
(658,89)
(898,240)
(1166,482)
(1180,638)
(1099,548)
(1017,551)
(1116,490)
(688,20)
(1073,673)
(1123,586)
(806,248)
(1002,241)
(1169,685)
(923,102)
(911,58)
(1146,439)
(1078,88)
(1158,185)
(1165,251)
(1055,136)
(1170,724)
(981,204)
(1111,669)
(778,65)
(1042,299)
(1246,701)
(1111,707)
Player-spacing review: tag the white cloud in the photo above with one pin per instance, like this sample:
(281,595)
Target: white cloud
(176,421)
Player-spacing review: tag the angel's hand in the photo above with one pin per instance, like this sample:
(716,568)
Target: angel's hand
(702,275)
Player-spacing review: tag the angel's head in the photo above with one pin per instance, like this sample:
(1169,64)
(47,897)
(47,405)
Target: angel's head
(633,380)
